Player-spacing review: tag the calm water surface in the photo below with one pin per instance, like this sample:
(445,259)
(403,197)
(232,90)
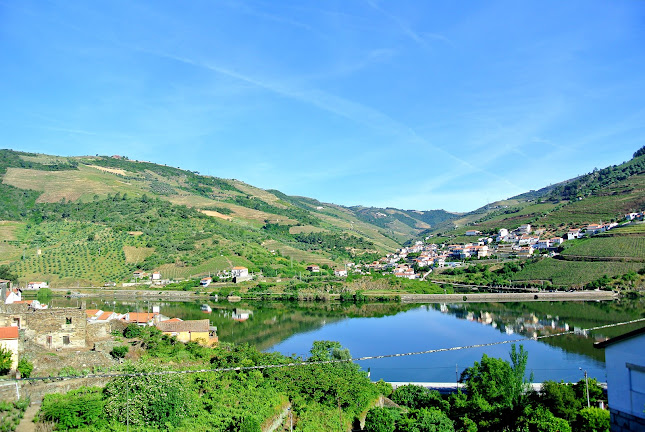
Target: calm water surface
(382,329)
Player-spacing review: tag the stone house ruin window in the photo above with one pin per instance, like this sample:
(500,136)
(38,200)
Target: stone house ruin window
(68,320)
(66,339)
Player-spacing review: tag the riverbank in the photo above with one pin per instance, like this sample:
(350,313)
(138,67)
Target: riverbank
(123,294)
(509,297)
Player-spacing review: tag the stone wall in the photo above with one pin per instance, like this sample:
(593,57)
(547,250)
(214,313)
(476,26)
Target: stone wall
(623,422)
(56,328)
(97,332)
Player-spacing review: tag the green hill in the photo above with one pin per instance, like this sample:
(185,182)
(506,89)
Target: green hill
(94,219)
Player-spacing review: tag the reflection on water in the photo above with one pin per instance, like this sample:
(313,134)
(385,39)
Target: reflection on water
(384,328)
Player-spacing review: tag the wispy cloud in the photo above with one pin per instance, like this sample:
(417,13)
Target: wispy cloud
(418,37)
(348,109)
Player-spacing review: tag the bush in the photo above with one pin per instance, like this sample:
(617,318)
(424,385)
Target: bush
(133,331)
(118,352)
(542,420)
(82,407)
(593,420)
(5,360)
(379,420)
(25,367)
(158,401)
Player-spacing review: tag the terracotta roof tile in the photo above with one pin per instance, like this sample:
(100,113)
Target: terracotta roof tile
(8,332)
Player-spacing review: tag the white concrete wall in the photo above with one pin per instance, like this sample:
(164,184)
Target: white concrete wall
(625,387)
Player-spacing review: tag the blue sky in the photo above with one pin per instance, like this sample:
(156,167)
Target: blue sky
(409,104)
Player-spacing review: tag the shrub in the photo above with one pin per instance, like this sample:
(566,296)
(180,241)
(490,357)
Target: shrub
(133,331)
(25,367)
(82,407)
(5,360)
(118,352)
(593,420)
(379,420)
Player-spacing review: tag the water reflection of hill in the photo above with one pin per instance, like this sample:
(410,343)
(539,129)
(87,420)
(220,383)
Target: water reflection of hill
(262,324)
(543,318)
(265,324)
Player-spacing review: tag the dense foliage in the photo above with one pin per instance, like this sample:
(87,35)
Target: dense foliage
(326,393)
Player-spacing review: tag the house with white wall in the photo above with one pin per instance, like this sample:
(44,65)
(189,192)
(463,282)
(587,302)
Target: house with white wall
(625,363)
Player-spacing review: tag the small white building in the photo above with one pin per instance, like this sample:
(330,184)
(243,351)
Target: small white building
(340,273)
(573,234)
(37,285)
(11,295)
(206,281)
(156,276)
(473,232)
(625,362)
(239,272)
(313,268)
(524,229)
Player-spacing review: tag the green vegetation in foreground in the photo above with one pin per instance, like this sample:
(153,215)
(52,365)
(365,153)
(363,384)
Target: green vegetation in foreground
(334,396)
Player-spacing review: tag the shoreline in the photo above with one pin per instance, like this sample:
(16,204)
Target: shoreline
(405,298)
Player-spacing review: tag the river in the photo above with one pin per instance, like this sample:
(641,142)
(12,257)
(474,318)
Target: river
(388,328)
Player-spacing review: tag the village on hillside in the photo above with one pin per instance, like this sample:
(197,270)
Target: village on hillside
(418,260)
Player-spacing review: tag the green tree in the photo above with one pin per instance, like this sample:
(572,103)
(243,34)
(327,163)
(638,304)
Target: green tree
(592,420)
(560,399)
(496,391)
(417,397)
(541,419)
(6,273)
(379,420)
(425,420)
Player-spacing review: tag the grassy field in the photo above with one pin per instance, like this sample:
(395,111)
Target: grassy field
(9,249)
(70,185)
(297,254)
(135,254)
(306,229)
(573,272)
(614,203)
(213,265)
(635,228)
(617,246)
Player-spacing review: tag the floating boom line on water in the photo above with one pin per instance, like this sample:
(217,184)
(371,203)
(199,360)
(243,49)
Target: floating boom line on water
(317,362)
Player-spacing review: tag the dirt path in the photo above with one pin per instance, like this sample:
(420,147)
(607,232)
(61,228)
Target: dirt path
(27,423)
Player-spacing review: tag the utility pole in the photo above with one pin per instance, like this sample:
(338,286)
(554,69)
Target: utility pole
(587,386)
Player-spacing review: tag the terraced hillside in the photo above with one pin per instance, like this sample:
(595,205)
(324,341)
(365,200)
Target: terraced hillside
(602,195)
(96,219)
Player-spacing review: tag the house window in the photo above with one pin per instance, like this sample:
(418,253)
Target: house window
(68,320)
(15,322)
(49,341)
(65,340)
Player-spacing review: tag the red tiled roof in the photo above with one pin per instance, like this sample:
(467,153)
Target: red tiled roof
(104,316)
(9,332)
(140,317)
(91,312)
